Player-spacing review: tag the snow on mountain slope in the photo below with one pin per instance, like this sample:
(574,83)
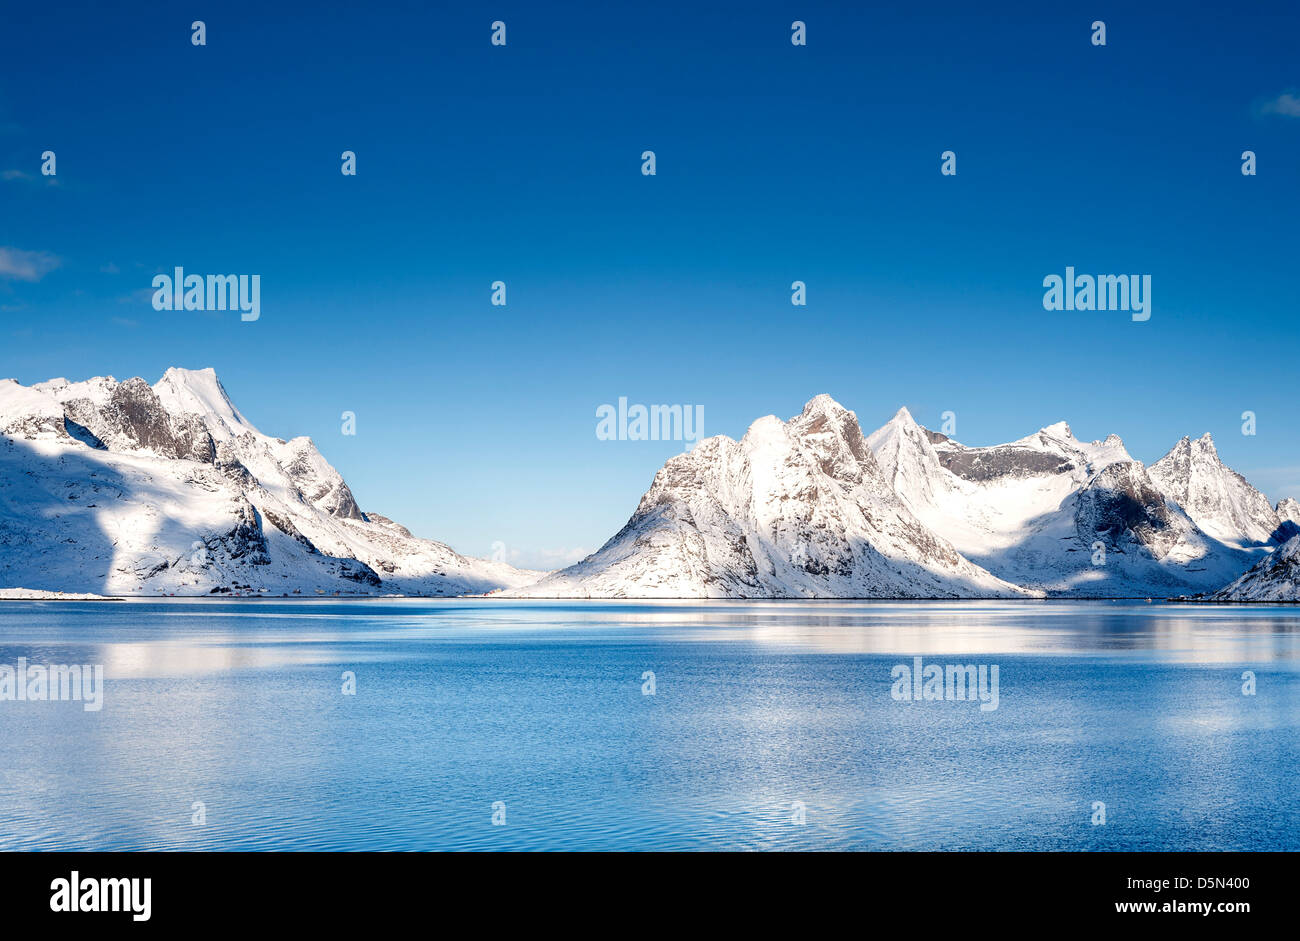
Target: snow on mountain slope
(1216,497)
(126,488)
(1051,512)
(28,413)
(797,509)
(1275,577)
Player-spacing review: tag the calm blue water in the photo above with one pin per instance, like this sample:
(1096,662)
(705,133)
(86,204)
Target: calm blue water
(757,706)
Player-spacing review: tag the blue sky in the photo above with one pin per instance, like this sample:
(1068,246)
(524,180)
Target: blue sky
(476,424)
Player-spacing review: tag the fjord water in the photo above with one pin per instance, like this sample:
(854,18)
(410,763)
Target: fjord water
(763,714)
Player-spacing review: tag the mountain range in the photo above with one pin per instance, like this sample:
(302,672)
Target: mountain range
(814,508)
(128,488)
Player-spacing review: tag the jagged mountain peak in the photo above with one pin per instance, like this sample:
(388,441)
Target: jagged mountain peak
(1216,497)
(821,401)
(832,434)
(1192,452)
(199,391)
(901,425)
(1289,509)
(1189,446)
(1059,429)
(820,415)
(821,410)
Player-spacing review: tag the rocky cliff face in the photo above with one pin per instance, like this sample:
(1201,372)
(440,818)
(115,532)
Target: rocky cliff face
(129,416)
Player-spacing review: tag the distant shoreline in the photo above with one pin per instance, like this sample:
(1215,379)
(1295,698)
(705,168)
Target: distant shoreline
(13,594)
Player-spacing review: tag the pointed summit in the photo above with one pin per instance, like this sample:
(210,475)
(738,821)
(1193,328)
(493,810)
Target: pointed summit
(1058,430)
(905,452)
(1218,499)
(824,405)
(824,414)
(832,432)
(200,392)
(901,427)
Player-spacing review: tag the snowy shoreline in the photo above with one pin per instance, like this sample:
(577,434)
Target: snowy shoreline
(32,594)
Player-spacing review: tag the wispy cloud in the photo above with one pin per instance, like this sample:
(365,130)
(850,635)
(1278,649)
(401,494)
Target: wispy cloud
(19,265)
(109,268)
(1286,104)
(28,179)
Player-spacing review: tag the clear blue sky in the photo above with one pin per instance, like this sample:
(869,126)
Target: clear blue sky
(476,424)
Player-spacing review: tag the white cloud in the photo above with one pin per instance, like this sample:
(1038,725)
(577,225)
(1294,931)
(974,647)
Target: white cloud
(19,265)
(1286,104)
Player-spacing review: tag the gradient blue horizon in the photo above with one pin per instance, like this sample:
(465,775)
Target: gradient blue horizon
(476,424)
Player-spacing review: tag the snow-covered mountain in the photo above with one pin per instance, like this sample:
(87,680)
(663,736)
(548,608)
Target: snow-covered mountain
(1275,577)
(811,508)
(797,509)
(1051,512)
(1216,497)
(126,488)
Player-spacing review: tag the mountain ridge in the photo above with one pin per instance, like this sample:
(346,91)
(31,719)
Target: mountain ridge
(122,487)
(1046,514)
(127,488)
